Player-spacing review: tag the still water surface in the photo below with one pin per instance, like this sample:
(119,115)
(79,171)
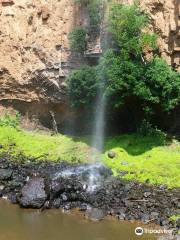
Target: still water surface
(23,224)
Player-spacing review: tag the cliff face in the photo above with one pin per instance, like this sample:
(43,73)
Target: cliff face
(34,50)
(33,45)
(165,15)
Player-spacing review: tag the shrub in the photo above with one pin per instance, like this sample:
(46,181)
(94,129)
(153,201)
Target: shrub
(93,7)
(152,84)
(126,24)
(82,86)
(122,78)
(77,39)
(147,129)
(163,83)
(10,120)
(94,13)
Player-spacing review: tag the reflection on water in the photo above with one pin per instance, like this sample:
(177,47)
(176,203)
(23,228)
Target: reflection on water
(22,224)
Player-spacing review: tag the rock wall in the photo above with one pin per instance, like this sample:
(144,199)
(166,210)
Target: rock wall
(34,51)
(165,15)
(34,54)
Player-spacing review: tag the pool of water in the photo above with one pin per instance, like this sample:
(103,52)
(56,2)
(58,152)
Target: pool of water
(26,224)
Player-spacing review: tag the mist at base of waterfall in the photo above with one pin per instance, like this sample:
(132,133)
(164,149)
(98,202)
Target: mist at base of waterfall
(92,175)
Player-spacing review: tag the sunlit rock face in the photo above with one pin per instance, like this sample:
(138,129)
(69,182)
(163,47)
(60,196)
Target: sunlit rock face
(33,46)
(32,35)
(34,41)
(165,16)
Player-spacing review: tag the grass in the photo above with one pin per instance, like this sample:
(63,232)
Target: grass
(146,159)
(43,146)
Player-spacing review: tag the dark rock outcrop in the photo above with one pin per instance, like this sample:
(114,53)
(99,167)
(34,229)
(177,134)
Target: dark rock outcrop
(33,193)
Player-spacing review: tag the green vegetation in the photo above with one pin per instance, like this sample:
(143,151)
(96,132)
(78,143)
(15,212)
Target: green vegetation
(94,13)
(131,80)
(126,24)
(42,146)
(174,217)
(148,159)
(82,86)
(10,120)
(152,85)
(93,7)
(77,39)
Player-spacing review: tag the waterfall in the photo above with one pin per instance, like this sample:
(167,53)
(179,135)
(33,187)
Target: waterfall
(98,132)
(98,129)
(98,135)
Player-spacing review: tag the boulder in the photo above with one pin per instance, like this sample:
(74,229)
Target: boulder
(95,214)
(57,188)
(33,194)
(178,222)
(111,154)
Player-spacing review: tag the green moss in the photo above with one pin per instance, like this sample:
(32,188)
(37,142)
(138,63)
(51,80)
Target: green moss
(146,159)
(43,146)
(174,218)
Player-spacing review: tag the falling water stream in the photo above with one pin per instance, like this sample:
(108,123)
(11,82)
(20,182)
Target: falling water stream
(98,135)
(99,123)
(98,130)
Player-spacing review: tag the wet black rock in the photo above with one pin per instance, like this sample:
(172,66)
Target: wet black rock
(33,193)
(12,198)
(57,203)
(178,223)
(56,188)
(83,207)
(5,174)
(147,194)
(95,214)
(145,218)
(121,216)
